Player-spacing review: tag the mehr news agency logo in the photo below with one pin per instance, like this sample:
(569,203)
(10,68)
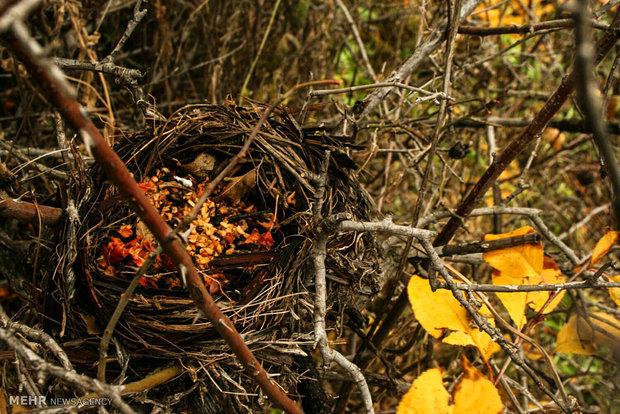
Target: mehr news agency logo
(42,400)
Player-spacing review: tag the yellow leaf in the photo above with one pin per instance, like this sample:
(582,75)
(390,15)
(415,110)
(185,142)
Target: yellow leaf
(582,336)
(523,265)
(475,393)
(426,395)
(517,302)
(439,312)
(615,292)
(603,246)
(518,261)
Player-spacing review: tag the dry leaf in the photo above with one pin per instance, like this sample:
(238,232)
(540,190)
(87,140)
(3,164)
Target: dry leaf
(426,395)
(581,336)
(475,393)
(523,265)
(201,166)
(238,187)
(554,137)
(92,327)
(440,313)
(603,246)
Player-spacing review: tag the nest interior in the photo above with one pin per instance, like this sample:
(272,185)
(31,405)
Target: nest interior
(257,271)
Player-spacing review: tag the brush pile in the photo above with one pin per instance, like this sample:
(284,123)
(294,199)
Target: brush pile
(250,243)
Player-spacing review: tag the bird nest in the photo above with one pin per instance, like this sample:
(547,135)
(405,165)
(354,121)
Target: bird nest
(250,242)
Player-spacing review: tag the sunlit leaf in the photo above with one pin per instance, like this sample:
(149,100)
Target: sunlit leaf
(523,265)
(440,314)
(519,261)
(426,395)
(604,245)
(475,393)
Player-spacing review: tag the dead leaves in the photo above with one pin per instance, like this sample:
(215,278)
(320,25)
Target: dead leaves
(474,393)
(211,233)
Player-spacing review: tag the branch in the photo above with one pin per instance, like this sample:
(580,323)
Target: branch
(590,103)
(515,147)
(25,211)
(317,256)
(524,28)
(428,46)
(51,80)
(68,375)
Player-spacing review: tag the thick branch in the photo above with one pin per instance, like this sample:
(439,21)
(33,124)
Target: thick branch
(24,211)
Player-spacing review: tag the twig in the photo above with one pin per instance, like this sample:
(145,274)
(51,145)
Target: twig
(497,194)
(358,39)
(260,50)
(318,255)
(38,336)
(68,375)
(432,42)
(525,28)
(25,211)
(421,91)
(532,213)
(138,15)
(584,220)
(73,217)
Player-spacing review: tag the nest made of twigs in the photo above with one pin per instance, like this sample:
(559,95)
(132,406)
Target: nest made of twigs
(266,290)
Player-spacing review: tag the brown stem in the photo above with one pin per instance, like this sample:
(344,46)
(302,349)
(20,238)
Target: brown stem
(515,147)
(50,81)
(24,211)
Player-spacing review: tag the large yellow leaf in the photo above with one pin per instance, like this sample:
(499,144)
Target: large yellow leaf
(518,261)
(523,265)
(582,336)
(440,313)
(604,245)
(517,302)
(426,395)
(475,393)
(615,292)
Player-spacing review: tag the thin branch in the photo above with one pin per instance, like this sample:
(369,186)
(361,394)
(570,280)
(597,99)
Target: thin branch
(25,211)
(318,255)
(260,50)
(68,375)
(425,49)
(358,39)
(525,28)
